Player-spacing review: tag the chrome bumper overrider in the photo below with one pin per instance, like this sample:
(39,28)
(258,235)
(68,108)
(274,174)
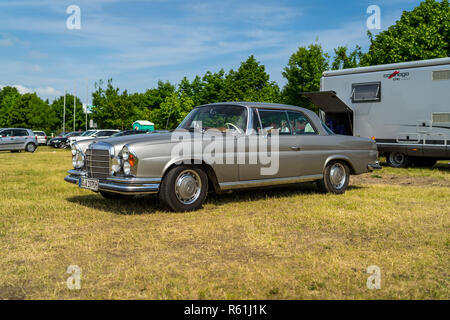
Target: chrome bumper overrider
(123,185)
(374,166)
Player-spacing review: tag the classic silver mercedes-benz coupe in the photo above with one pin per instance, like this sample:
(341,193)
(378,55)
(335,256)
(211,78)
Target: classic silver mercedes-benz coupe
(220,147)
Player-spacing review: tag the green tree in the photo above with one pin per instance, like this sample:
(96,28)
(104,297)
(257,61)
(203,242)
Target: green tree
(154,97)
(423,33)
(172,111)
(212,87)
(344,60)
(251,83)
(57,107)
(303,73)
(9,98)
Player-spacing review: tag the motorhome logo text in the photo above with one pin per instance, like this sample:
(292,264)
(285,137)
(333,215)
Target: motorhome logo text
(397,75)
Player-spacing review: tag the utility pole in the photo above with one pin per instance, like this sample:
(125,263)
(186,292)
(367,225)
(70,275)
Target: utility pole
(64,113)
(74,101)
(87,101)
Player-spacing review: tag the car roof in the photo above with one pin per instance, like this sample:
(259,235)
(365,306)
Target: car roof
(261,105)
(15,128)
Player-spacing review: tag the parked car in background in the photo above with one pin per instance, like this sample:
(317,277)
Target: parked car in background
(308,151)
(41,137)
(128,133)
(62,141)
(90,134)
(18,139)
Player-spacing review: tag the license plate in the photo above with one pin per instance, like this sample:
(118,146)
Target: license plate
(88,183)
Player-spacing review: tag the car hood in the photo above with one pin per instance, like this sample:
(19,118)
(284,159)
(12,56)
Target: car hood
(119,142)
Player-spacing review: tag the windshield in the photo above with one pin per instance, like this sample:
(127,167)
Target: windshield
(221,117)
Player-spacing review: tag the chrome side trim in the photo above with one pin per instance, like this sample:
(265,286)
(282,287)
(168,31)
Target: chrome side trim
(132,180)
(77,173)
(268,182)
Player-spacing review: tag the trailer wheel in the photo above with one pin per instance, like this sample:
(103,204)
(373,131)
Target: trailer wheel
(398,160)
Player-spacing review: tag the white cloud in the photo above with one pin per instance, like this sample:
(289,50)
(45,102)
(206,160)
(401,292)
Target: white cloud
(41,91)
(5,43)
(37,54)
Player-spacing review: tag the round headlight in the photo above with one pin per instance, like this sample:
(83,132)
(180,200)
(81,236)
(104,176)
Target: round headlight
(126,168)
(115,165)
(77,158)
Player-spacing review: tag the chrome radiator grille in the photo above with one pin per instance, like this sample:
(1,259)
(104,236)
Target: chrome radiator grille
(97,163)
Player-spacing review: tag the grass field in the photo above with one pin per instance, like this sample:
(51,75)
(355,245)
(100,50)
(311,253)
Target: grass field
(285,243)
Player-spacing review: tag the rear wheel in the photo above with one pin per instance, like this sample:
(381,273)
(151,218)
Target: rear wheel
(184,188)
(336,178)
(31,147)
(398,160)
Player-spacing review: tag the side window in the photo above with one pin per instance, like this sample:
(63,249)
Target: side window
(19,133)
(276,119)
(300,123)
(366,92)
(6,133)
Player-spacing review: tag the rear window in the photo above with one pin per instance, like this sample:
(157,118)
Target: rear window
(39,133)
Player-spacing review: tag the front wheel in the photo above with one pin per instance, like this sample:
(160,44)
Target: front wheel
(184,188)
(336,178)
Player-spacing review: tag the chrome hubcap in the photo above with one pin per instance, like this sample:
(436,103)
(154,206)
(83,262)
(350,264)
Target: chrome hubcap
(188,186)
(337,175)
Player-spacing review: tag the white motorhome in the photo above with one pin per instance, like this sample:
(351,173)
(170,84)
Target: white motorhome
(405,107)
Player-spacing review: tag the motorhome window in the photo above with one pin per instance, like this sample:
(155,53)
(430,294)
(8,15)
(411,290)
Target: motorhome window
(366,92)
(441,75)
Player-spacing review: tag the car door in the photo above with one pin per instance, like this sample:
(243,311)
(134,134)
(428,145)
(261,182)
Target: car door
(280,165)
(312,152)
(20,137)
(7,141)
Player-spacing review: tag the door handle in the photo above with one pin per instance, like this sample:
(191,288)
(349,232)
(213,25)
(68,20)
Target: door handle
(295,148)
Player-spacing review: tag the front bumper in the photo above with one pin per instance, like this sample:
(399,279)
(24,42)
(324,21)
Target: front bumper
(122,185)
(374,166)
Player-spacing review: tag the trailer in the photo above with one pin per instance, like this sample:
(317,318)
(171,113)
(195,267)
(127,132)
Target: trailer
(404,107)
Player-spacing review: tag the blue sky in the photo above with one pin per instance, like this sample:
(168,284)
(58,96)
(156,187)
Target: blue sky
(139,42)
